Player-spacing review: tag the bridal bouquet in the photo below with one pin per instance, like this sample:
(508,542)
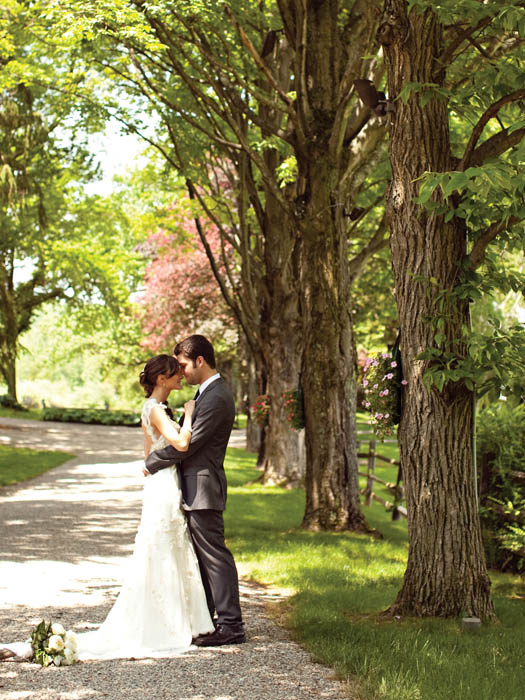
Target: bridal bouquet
(51,644)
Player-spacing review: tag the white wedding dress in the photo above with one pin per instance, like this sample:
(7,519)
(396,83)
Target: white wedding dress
(162,603)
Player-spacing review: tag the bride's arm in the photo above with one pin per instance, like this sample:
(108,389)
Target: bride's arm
(179,440)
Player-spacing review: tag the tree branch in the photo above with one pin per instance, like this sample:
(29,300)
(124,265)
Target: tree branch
(378,241)
(260,63)
(477,253)
(485,117)
(447,55)
(495,146)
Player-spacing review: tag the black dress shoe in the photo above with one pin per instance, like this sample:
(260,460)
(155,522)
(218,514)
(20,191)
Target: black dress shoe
(222,635)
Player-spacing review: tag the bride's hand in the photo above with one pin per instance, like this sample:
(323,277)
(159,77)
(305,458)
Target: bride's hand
(189,407)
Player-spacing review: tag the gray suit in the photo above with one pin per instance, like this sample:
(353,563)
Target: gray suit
(203,484)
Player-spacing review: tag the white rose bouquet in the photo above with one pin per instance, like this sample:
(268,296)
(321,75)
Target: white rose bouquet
(51,644)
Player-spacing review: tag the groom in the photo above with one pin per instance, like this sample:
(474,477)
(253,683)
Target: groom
(203,484)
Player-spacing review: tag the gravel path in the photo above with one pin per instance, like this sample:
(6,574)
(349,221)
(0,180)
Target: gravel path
(65,537)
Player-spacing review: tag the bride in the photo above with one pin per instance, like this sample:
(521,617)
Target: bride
(162,603)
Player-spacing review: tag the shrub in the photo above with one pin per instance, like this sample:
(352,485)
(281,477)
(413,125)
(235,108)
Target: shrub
(501,458)
(91,415)
(7,401)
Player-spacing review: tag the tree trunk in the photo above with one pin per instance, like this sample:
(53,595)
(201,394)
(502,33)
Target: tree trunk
(284,463)
(329,360)
(282,341)
(446,573)
(9,334)
(8,362)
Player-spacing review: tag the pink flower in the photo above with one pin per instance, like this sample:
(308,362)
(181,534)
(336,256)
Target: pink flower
(385,392)
(380,393)
(389,375)
(375,363)
(365,382)
(384,355)
(404,382)
(387,415)
(393,364)
(375,386)
(367,404)
(378,416)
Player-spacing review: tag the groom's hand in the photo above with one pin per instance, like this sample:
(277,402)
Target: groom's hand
(146,472)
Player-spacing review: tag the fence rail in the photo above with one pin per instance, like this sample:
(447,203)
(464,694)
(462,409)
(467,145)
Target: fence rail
(396,489)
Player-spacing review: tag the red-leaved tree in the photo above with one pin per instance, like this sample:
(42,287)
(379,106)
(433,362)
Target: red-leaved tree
(181,295)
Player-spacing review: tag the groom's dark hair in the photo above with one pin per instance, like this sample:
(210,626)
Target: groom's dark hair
(196,346)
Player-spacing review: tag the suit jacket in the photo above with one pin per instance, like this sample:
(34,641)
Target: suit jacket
(203,481)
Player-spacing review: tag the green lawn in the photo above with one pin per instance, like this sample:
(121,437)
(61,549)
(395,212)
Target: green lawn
(340,584)
(23,415)
(19,463)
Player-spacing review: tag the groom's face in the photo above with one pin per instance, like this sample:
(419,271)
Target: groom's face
(191,369)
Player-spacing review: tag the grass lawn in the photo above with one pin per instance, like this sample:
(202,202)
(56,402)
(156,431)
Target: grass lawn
(23,415)
(340,584)
(20,463)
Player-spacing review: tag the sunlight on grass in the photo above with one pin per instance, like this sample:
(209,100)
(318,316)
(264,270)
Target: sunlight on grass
(20,463)
(342,582)
(22,415)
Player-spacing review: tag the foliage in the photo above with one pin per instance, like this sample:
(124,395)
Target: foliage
(293,404)
(381,385)
(260,410)
(501,455)
(20,463)
(91,415)
(57,242)
(340,583)
(484,192)
(87,357)
(181,295)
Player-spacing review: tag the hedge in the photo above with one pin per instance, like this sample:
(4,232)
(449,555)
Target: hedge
(99,416)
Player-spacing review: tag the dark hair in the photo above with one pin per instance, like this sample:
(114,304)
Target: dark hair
(160,364)
(196,346)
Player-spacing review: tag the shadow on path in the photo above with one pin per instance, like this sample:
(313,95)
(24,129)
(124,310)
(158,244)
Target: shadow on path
(66,538)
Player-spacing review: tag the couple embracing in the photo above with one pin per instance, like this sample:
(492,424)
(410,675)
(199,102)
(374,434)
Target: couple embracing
(181,587)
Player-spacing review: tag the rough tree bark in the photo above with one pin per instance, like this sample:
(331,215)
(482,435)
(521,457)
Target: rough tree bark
(446,573)
(325,68)
(329,363)
(281,346)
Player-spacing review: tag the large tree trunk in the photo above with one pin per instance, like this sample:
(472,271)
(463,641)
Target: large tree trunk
(446,573)
(9,334)
(329,356)
(8,363)
(329,360)
(282,340)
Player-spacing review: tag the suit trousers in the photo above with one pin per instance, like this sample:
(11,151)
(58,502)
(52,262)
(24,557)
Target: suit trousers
(218,570)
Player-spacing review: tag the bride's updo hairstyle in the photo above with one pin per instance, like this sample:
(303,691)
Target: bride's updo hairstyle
(160,364)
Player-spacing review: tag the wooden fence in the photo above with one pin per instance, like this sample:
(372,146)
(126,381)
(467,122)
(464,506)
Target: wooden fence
(396,489)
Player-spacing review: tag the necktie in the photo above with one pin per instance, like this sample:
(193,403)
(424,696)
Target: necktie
(196,395)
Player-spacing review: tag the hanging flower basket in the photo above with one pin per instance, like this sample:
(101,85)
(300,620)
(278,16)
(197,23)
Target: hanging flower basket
(382,384)
(260,410)
(293,405)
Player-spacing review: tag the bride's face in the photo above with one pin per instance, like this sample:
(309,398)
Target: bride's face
(172,383)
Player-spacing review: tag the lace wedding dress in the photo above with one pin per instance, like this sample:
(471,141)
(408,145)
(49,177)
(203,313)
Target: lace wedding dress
(162,603)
